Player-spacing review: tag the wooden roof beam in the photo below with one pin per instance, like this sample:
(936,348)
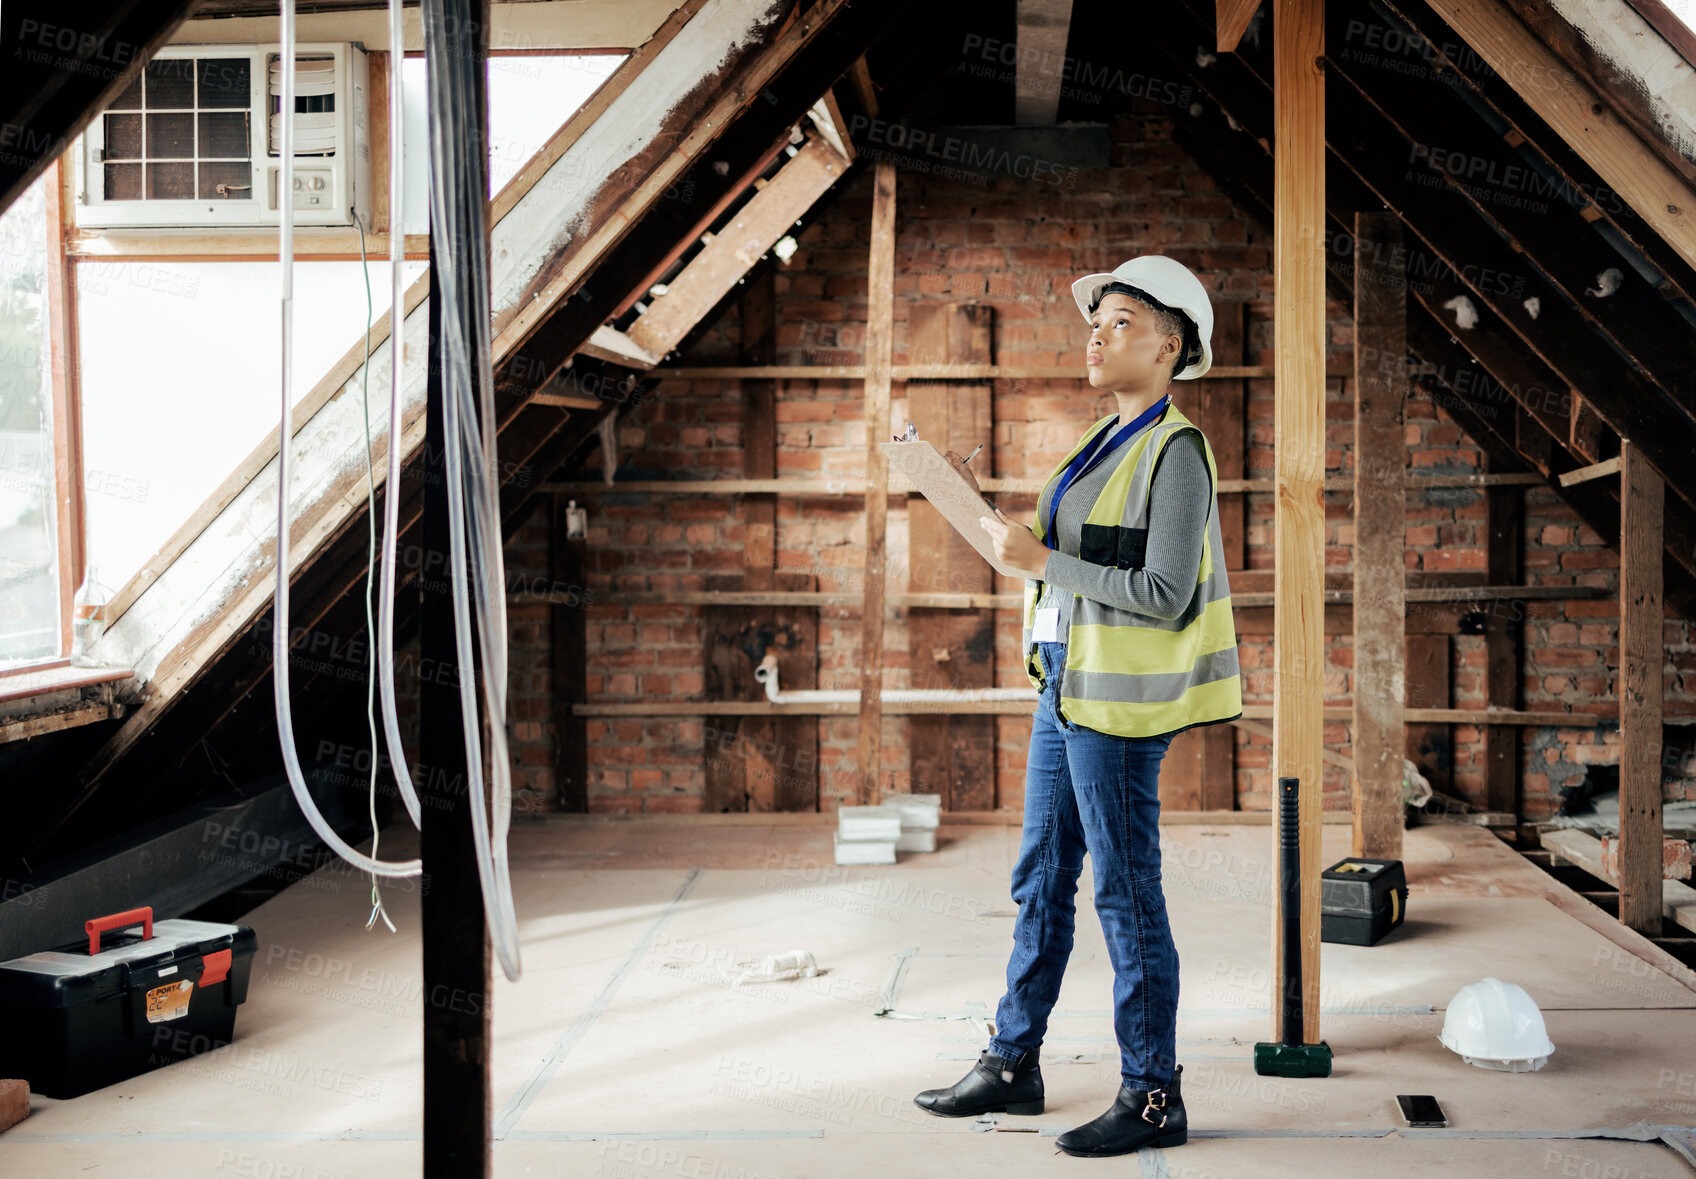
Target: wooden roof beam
(721,264)
(1043,28)
(1659,185)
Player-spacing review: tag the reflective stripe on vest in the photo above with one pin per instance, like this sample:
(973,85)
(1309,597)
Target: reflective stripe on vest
(1132,674)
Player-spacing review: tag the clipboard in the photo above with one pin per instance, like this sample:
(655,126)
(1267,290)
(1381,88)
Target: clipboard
(922,465)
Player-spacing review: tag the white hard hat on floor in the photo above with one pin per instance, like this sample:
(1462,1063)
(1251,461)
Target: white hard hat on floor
(1170,283)
(1494,1024)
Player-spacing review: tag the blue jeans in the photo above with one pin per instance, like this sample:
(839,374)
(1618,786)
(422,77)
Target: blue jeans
(1094,792)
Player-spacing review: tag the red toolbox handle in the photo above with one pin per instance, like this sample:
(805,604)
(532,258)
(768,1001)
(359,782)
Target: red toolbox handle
(100,925)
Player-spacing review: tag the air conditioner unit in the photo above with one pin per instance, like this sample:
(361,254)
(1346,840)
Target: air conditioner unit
(194,141)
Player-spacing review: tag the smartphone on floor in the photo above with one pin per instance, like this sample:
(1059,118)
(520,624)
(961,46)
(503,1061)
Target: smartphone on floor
(1421,1110)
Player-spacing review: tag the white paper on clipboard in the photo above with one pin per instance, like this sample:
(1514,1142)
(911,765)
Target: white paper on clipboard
(948,491)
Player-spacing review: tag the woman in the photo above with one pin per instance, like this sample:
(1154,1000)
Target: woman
(1129,639)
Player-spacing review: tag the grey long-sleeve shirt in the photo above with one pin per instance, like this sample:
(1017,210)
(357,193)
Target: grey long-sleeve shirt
(1179,501)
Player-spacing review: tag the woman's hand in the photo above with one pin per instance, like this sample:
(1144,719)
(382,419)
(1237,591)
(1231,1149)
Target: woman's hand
(959,464)
(1016,545)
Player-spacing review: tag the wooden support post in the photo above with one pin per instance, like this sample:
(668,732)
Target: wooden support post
(455,932)
(66,399)
(880,355)
(759,763)
(568,630)
(1199,773)
(1504,624)
(1380,525)
(1299,297)
(1641,654)
(953,756)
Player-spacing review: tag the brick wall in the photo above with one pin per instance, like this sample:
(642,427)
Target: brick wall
(1017,246)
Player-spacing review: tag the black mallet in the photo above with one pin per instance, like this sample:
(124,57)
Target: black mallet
(1291,1057)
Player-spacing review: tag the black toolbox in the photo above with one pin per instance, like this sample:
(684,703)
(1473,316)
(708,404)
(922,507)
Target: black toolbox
(1361,900)
(80,1017)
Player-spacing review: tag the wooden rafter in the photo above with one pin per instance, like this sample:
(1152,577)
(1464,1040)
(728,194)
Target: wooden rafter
(1569,171)
(755,228)
(1581,116)
(645,183)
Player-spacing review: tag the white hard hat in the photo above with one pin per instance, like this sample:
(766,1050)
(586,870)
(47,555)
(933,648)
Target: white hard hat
(1168,282)
(1494,1024)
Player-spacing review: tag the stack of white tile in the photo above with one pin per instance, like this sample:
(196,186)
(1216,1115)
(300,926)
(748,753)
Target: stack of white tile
(921,815)
(867,834)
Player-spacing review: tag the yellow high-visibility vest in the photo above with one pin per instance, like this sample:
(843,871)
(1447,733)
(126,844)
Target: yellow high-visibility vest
(1131,674)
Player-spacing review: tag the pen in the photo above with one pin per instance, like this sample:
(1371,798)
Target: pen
(973,455)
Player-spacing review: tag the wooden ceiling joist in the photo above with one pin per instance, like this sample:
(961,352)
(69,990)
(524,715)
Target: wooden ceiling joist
(721,264)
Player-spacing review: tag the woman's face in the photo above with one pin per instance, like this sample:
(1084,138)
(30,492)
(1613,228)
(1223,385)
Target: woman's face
(1126,349)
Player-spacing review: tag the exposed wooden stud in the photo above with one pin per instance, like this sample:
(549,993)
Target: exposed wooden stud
(1380,527)
(950,756)
(1299,297)
(64,370)
(1599,470)
(755,228)
(880,349)
(377,136)
(1642,653)
(1503,643)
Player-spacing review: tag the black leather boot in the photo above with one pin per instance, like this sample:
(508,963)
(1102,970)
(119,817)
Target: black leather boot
(993,1085)
(1138,1118)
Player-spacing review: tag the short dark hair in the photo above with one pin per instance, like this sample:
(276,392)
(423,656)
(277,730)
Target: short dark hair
(1169,320)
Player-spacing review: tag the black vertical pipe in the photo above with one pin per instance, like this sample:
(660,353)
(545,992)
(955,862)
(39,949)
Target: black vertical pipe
(1289,884)
(456,957)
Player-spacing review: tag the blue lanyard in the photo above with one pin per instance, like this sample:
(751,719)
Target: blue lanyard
(1091,456)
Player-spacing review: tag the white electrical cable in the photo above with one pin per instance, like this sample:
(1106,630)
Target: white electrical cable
(285,433)
(397,357)
(377,909)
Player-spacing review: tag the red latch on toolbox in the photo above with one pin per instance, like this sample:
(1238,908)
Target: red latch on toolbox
(99,925)
(217,967)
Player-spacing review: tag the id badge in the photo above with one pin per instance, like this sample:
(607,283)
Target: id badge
(1047,626)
